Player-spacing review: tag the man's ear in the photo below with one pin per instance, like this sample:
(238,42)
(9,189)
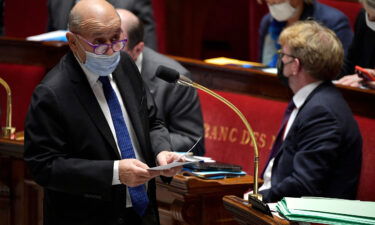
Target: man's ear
(73,45)
(138,49)
(297,67)
(72,41)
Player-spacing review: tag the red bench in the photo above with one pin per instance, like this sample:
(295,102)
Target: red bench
(227,140)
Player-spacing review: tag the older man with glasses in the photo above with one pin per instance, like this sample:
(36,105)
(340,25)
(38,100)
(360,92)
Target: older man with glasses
(92,132)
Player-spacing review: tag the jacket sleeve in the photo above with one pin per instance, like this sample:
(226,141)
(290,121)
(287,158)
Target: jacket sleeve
(53,162)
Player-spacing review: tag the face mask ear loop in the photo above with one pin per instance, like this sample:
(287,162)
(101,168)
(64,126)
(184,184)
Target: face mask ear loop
(80,46)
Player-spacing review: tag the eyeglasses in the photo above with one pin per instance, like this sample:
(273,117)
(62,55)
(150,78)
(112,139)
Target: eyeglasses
(100,49)
(281,54)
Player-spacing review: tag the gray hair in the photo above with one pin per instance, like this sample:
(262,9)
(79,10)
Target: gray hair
(74,22)
(370,3)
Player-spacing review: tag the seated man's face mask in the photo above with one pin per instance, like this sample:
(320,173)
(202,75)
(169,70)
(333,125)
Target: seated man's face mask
(282,11)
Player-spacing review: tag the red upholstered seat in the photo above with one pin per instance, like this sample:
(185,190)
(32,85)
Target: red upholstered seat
(227,140)
(349,8)
(22,80)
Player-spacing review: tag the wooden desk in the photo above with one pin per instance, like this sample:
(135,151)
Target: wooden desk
(265,85)
(191,200)
(245,215)
(20,51)
(186,200)
(23,204)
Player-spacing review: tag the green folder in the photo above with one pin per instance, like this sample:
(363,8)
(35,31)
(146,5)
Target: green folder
(327,210)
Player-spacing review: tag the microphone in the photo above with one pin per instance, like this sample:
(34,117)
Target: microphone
(172,76)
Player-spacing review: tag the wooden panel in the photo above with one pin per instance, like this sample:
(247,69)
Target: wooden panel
(191,200)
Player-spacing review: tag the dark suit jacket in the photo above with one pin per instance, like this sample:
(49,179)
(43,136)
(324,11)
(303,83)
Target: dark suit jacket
(362,50)
(328,16)
(321,155)
(70,149)
(178,105)
(58,15)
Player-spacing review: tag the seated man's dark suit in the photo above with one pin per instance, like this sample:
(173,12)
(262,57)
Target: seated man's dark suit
(178,105)
(70,149)
(322,152)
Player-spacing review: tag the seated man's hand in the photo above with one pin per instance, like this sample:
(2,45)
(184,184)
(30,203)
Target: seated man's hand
(133,172)
(350,80)
(166,157)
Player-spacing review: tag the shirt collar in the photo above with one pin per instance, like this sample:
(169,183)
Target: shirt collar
(138,62)
(300,97)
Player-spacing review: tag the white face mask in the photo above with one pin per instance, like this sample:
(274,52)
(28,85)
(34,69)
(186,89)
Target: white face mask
(282,11)
(370,24)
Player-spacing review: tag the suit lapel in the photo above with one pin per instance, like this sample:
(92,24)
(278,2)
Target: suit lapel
(88,100)
(133,100)
(311,95)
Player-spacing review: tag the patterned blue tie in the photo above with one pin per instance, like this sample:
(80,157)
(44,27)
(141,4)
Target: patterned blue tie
(138,194)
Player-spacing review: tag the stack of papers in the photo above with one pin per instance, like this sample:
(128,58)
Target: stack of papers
(234,62)
(327,210)
(213,175)
(59,35)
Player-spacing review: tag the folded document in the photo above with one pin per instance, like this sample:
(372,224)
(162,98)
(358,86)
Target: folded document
(327,210)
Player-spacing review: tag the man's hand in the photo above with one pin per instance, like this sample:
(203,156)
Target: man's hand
(133,172)
(350,80)
(166,157)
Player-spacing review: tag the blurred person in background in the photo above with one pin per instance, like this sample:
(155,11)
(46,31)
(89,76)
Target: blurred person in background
(284,13)
(362,50)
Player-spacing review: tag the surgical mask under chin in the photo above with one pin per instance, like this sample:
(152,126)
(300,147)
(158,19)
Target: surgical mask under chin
(370,24)
(102,65)
(282,11)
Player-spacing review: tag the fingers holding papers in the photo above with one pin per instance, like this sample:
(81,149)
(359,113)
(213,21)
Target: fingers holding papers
(133,172)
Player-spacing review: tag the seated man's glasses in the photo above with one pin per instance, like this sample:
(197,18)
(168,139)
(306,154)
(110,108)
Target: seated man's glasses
(282,54)
(101,49)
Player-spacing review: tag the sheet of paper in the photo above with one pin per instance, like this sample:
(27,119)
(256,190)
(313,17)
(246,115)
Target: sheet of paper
(169,166)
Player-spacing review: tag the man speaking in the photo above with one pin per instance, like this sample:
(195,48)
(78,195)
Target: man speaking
(92,132)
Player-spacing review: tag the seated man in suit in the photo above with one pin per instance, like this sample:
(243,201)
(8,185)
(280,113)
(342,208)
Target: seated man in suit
(362,50)
(284,13)
(318,149)
(178,105)
(58,12)
(91,132)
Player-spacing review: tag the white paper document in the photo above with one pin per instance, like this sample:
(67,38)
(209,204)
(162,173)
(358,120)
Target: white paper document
(169,166)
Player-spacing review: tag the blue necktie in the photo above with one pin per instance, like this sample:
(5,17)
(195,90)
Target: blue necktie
(138,194)
(279,138)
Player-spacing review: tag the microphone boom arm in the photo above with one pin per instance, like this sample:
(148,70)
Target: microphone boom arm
(188,82)
(8,130)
